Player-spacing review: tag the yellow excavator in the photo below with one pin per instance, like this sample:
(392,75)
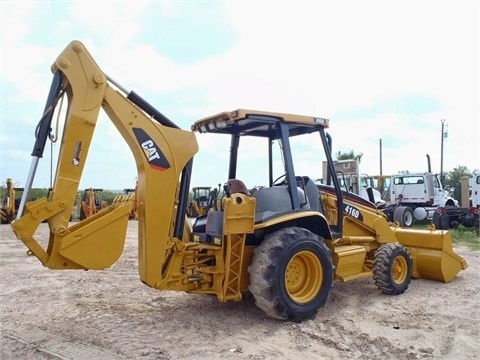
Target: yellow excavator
(285,244)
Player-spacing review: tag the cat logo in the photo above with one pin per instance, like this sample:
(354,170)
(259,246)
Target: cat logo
(151,150)
(153,153)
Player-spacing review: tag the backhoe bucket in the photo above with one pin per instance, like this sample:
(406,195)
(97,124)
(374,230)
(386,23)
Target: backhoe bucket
(94,243)
(432,253)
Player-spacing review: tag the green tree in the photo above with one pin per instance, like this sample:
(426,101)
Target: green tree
(37,193)
(453,178)
(348,155)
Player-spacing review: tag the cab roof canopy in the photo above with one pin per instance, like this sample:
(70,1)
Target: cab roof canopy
(243,122)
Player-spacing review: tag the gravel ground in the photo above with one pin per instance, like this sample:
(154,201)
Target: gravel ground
(110,314)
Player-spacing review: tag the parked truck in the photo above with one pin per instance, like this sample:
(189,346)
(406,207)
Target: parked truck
(415,196)
(352,179)
(450,217)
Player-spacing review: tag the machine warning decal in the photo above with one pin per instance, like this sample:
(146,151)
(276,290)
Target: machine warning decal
(353,212)
(154,155)
(76,153)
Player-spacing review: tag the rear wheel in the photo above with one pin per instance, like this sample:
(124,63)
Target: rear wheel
(83,216)
(3,217)
(392,268)
(291,274)
(404,216)
(441,221)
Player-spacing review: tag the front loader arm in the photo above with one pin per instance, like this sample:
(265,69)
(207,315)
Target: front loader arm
(163,156)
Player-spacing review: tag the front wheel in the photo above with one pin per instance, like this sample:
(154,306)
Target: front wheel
(291,274)
(392,268)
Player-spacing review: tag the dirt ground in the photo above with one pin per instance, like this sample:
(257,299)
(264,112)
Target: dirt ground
(110,314)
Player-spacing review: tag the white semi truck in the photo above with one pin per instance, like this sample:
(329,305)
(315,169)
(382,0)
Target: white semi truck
(416,197)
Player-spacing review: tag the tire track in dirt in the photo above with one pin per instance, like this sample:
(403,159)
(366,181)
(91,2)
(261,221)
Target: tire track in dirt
(57,346)
(349,340)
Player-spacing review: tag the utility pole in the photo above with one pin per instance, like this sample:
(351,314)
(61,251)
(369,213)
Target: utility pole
(381,165)
(443,136)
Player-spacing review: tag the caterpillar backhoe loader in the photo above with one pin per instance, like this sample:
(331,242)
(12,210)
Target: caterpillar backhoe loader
(91,203)
(133,213)
(285,244)
(10,203)
(200,200)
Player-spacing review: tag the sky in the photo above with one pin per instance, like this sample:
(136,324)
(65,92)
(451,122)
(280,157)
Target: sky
(390,75)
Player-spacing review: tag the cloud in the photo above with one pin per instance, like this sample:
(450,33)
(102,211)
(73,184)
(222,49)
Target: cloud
(378,70)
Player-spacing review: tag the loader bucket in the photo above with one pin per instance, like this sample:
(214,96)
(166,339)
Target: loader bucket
(432,253)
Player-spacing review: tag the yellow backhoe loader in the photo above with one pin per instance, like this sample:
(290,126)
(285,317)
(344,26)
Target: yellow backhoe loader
(201,198)
(10,202)
(91,203)
(285,244)
(133,213)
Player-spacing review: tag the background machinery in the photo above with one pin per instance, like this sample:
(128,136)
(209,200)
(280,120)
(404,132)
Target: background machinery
(285,244)
(10,202)
(91,203)
(133,213)
(200,200)
(352,179)
(468,213)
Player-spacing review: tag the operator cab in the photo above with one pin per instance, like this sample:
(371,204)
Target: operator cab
(288,194)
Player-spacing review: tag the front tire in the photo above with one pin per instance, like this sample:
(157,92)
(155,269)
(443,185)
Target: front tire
(392,269)
(291,274)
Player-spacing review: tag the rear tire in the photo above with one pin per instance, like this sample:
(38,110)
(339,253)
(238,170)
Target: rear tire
(3,217)
(404,216)
(441,221)
(6,217)
(392,268)
(291,274)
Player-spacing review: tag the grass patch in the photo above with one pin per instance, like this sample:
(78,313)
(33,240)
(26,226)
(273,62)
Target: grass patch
(467,236)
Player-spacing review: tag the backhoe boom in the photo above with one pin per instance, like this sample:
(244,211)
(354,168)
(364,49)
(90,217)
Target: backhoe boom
(163,154)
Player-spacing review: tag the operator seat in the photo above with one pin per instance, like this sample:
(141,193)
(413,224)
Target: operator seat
(312,194)
(237,186)
(208,228)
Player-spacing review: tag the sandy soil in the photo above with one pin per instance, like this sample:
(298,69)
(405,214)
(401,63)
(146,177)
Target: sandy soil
(110,314)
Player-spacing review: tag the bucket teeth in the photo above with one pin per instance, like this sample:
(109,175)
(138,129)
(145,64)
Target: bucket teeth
(120,200)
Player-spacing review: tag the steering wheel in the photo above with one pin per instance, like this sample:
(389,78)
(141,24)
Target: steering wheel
(276,182)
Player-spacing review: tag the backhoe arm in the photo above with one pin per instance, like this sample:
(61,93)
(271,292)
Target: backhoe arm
(163,154)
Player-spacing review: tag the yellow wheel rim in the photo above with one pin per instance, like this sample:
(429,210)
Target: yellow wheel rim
(399,270)
(303,277)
